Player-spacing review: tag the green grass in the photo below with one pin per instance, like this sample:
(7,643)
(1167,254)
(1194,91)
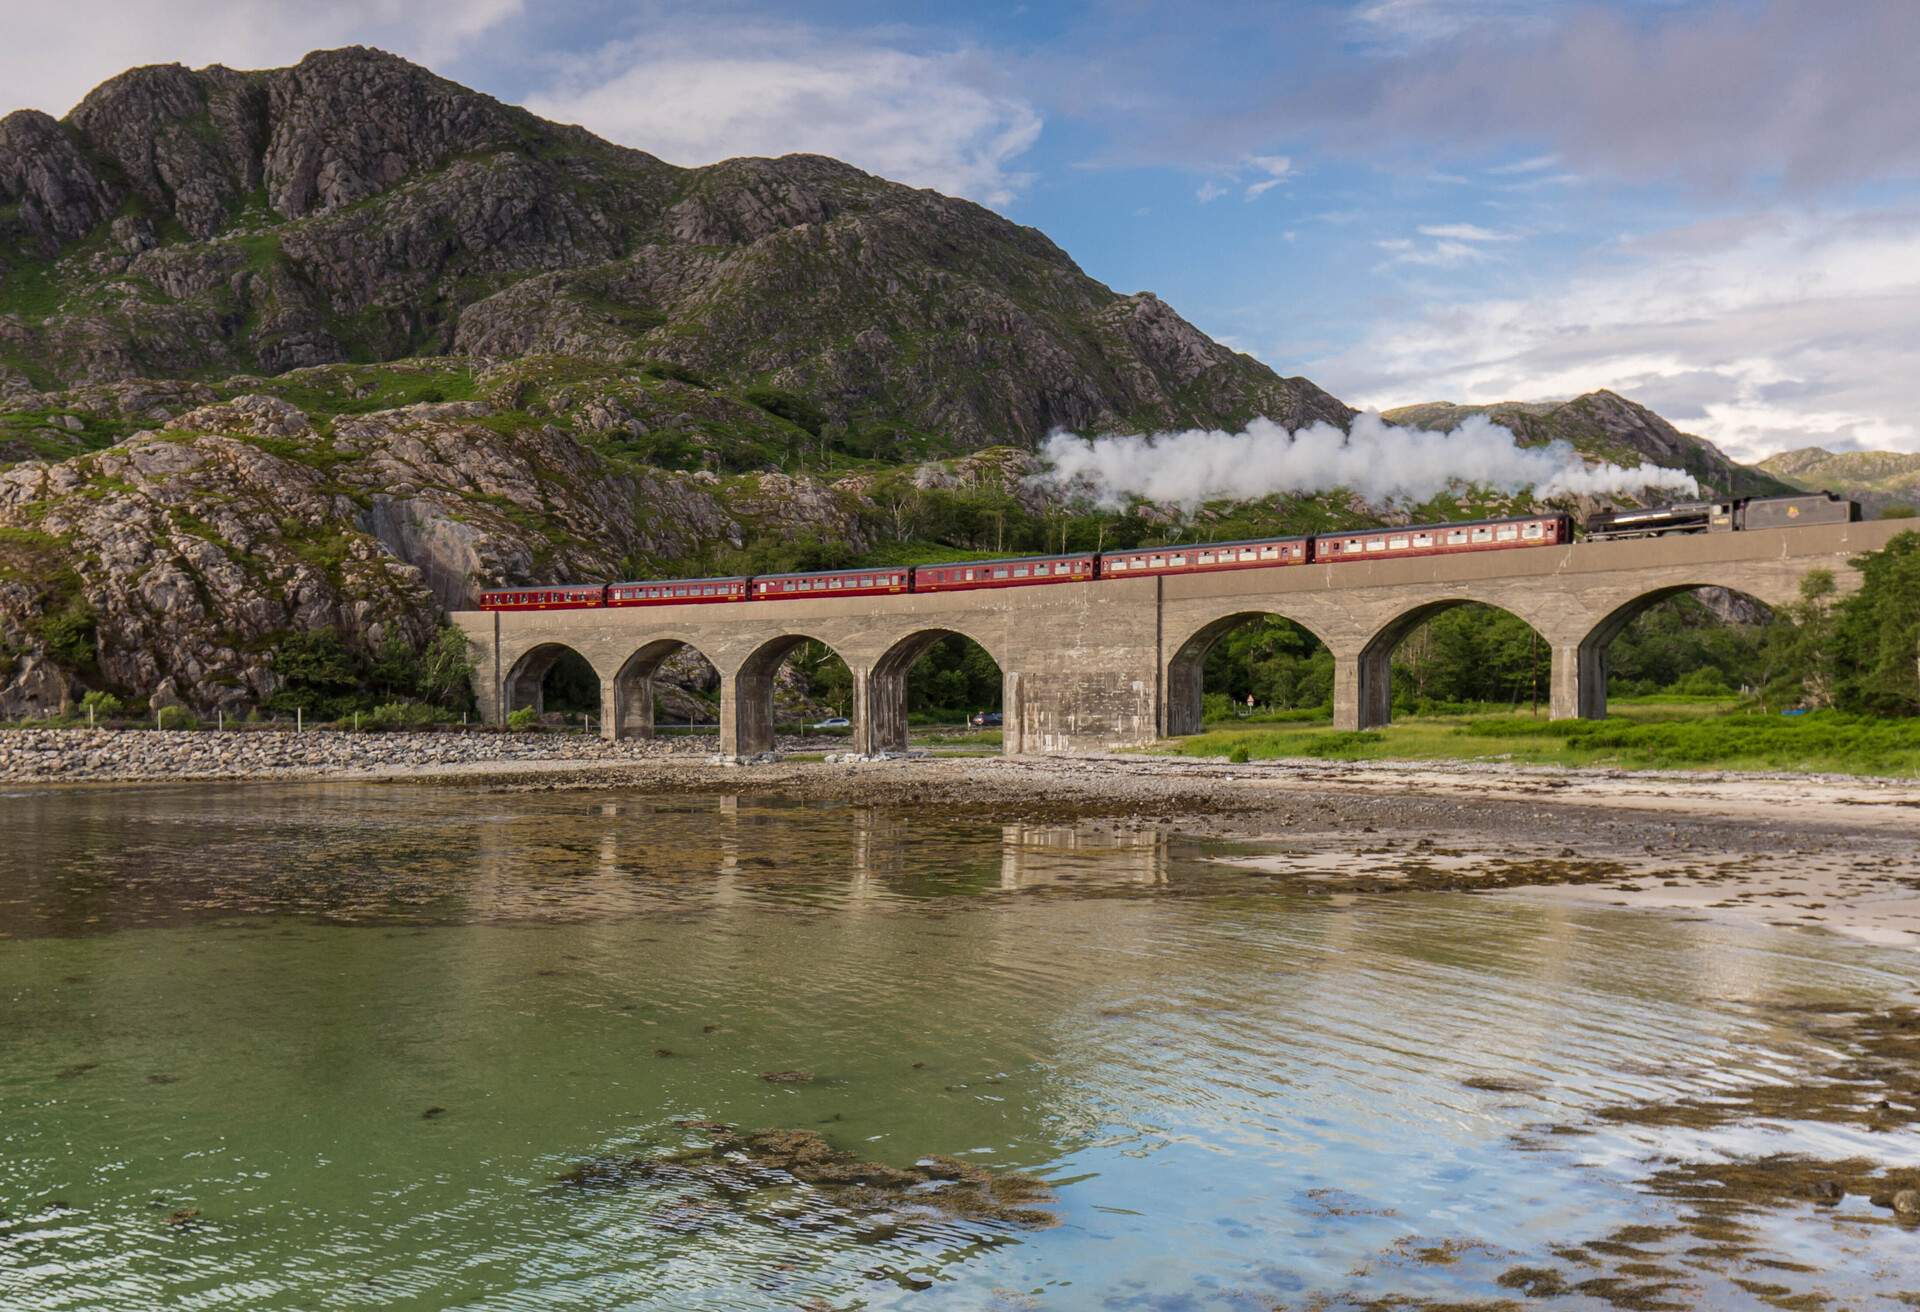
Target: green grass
(1690,733)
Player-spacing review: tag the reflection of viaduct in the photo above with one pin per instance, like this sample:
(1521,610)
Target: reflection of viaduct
(1091,665)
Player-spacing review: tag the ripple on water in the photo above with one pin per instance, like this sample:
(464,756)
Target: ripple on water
(230,1011)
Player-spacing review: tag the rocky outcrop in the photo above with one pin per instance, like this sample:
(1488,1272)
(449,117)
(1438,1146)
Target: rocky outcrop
(170,562)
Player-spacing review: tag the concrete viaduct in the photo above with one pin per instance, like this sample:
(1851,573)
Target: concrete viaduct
(1087,666)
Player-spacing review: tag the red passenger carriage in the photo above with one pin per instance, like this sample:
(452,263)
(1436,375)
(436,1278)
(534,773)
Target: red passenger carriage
(1443,539)
(551,596)
(677,592)
(831,583)
(1009,573)
(1195,558)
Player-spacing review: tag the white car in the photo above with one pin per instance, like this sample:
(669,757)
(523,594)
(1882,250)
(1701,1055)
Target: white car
(835,722)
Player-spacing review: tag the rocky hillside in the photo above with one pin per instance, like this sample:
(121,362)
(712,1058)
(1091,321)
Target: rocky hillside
(1878,480)
(355,207)
(1606,426)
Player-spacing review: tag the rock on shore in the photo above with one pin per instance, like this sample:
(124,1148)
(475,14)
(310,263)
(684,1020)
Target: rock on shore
(79,755)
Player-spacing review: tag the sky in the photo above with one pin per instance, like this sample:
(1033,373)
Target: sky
(1712,208)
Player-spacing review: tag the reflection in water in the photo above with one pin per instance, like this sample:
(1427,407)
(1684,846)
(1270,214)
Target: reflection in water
(1036,856)
(362,1033)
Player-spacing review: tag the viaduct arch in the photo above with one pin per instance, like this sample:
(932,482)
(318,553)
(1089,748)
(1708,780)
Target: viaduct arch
(1089,666)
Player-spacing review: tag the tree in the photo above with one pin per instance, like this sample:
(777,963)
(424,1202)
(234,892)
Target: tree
(1876,641)
(1801,651)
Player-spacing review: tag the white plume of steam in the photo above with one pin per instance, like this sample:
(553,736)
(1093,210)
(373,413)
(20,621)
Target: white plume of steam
(1381,462)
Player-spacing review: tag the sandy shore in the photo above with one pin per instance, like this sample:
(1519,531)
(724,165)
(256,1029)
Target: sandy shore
(1829,852)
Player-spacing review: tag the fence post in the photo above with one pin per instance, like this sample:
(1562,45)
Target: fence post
(89,715)
(220,718)
(299,720)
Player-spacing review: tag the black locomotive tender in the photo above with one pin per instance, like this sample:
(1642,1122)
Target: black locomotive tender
(1722,516)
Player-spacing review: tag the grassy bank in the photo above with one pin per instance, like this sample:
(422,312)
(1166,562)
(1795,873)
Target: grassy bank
(1667,733)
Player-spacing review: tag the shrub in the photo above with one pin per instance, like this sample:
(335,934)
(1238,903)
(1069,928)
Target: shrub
(679,373)
(1703,682)
(70,636)
(796,410)
(399,715)
(176,717)
(103,704)
(523,719)
(1217,706)
(1239,755)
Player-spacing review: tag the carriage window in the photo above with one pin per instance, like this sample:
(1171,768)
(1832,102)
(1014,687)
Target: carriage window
(1376,544)
(1423,540)
(1458,535)
(1483,535)
(1020,571)
(969,576)
(1398,544)
(1206,558)
(1535,531)
(1508,534)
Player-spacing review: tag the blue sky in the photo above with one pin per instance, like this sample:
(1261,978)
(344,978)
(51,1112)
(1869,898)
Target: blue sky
(1711,207)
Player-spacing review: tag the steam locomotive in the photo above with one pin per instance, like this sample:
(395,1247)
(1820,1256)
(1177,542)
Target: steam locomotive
(1542,530)
(1722,516)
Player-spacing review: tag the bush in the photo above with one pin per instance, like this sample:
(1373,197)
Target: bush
(71,637)
(523,719)
(1239,755)
(1215,706)
(1703,682)
(679,373)
(399,715)
(796,410)
(176,717)
(103,704)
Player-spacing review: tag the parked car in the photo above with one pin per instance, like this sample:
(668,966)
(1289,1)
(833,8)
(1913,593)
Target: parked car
(835,722)
(985,720)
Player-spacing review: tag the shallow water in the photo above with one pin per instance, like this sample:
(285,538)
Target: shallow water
(362,1032)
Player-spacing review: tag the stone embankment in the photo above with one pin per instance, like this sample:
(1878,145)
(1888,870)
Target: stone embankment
(95,755)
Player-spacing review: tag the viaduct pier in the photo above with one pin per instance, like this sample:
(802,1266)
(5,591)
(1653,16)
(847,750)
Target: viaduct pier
(1117,662)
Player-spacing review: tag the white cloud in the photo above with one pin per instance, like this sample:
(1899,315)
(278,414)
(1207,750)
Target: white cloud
(55,53)
(932,120)
(1268,172)
(1761,333)
(1536,164)
(1453,245)
(1465,232)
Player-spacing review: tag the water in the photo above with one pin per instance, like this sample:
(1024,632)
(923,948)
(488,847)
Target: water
(333,1047)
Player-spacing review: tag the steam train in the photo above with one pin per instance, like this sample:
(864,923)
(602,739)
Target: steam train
(1544,530)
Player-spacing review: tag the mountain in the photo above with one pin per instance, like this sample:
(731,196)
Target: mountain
(355,207)
(328,348)
(1606,426)
(1878,480)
